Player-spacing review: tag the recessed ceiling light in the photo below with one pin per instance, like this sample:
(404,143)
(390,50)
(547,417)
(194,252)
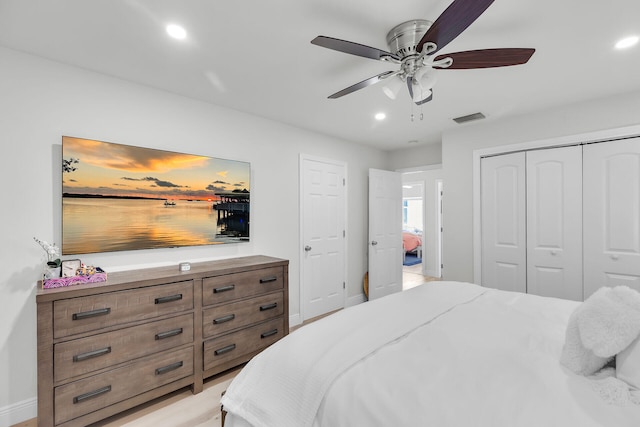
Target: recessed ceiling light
(626,42)
(176,31)
(380,116)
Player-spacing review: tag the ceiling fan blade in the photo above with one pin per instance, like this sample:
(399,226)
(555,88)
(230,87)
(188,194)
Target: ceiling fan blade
(487,58)
(363,84)
(352,48)
(452,22)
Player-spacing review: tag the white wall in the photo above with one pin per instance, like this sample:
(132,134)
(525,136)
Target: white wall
(41,100)
(457,155)
(415,157)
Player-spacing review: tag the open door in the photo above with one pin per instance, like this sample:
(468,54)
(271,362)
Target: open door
(385,233)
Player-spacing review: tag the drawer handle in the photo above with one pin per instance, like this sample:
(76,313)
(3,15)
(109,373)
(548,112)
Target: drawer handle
(268,279)
(169,368)
(173,333)
(268,306)
(91,354)
(268,333)
(224,289)
(92,313)
(91,394)
(224,319)
(224,350)
(169,298)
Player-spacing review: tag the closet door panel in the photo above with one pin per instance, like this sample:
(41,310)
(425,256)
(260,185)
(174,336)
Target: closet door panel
(554,222)
(612,215)
(503,222)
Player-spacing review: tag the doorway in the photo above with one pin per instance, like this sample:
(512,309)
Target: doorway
(422,225)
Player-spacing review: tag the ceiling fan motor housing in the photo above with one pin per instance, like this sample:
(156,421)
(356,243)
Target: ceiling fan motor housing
(403,38)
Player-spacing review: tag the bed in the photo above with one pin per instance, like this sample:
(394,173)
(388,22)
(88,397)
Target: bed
(441,354)
(411,242)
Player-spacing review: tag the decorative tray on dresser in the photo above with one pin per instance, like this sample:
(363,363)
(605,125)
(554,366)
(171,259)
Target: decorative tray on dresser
(107,347)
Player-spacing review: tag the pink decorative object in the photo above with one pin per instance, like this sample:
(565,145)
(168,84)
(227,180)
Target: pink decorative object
(59,282)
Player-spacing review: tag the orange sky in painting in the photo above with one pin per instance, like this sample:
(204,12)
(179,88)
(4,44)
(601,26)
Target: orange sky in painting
(108,169)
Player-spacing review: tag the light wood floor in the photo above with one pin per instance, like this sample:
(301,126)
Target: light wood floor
(184,409)
(412,276)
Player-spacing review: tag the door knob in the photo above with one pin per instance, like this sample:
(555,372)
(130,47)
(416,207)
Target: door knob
(307,248)
(614,257)
(373,243)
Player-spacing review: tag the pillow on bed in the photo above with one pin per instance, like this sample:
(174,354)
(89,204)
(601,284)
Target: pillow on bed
(628,364)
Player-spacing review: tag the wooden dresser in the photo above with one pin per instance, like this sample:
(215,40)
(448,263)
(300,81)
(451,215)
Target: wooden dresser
(107,347)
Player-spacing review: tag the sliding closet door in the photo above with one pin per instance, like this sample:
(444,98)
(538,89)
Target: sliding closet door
(554,222)
(612,215)
(503,222)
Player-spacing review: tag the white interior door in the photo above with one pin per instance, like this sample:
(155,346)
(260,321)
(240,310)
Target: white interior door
(554,222)
(323,220)
(612,215)
(385,233)
(503,222)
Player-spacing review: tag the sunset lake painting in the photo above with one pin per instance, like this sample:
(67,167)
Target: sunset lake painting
(119,197)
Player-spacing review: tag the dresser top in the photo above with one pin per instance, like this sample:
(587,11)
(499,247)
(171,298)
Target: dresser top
(159,275)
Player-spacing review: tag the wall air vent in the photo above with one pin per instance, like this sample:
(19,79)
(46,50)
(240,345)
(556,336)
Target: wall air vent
(469,118)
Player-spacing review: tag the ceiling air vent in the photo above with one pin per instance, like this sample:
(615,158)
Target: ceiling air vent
(469,118)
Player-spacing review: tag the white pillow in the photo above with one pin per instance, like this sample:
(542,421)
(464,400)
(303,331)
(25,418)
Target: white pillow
(628,364)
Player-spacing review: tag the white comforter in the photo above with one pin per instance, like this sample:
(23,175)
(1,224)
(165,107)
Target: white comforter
(461,356)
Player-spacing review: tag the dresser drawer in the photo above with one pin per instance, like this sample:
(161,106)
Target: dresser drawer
(235,345)
(96,352)
(75,315)
(90,394)
(220,289)
(221,319)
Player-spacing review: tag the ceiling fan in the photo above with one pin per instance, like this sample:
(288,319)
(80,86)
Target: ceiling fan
(413,45)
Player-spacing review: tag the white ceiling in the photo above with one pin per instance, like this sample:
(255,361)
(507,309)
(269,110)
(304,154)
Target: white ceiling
(255,56)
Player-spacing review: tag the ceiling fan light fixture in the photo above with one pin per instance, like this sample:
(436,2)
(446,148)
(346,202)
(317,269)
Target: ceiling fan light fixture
(428,78)
(420,94)
(392,87)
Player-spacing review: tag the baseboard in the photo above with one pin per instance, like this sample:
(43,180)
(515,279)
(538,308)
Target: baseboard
(294,320)
(19,412)
(355,300)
